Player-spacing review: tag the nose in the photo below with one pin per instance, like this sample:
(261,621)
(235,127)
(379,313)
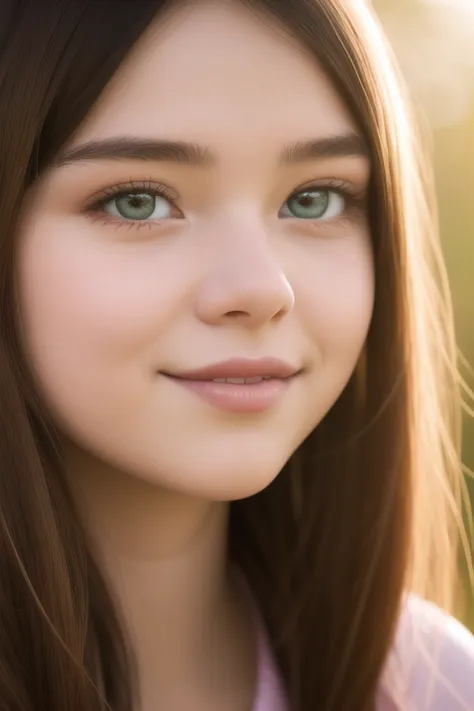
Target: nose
(247,285)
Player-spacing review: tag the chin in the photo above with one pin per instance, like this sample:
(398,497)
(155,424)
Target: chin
(219,478)
(217,468)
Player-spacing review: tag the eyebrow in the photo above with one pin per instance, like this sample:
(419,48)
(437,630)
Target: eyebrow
(195,155)
(344,145)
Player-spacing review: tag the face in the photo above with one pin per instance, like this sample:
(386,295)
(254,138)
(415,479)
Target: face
(142,262)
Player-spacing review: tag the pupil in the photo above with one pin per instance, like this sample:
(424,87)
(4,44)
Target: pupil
(138,201)
(136,206)
(310,204)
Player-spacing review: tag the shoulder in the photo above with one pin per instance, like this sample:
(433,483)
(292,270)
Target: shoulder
(433,658)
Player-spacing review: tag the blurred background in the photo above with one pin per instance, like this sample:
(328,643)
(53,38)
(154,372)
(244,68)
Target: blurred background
(434,44)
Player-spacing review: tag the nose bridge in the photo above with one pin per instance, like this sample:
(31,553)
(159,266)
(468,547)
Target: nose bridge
(247,279)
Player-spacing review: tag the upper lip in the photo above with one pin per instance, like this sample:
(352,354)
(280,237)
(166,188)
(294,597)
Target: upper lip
(240,368)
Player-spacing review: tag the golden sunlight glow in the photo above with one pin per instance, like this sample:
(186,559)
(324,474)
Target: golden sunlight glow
(433,41)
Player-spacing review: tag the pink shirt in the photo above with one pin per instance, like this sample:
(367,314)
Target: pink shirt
(424,632)
(270,695)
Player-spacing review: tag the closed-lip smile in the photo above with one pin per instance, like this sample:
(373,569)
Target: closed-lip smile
(239,385)
(240,368)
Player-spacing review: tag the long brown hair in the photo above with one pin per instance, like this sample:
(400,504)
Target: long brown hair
(368,502)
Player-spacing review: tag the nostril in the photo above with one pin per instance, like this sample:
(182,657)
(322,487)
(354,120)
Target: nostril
(235,314)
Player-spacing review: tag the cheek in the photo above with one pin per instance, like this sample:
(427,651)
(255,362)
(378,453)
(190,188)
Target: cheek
(90,311)
(97,295)
(335,292)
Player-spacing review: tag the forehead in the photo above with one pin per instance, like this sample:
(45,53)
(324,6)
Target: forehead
(218,73)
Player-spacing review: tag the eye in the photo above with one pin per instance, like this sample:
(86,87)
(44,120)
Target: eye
(139,206)
(314,204)
(131,203)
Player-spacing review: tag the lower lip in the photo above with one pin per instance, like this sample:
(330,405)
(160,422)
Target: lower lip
(237,397)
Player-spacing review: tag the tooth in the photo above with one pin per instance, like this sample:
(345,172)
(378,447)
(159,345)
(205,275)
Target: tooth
(241,381)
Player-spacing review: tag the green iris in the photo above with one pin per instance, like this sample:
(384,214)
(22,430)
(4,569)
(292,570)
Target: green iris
(309,204)
(136,206)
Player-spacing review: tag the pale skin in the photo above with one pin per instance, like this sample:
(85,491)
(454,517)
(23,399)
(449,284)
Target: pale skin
(108,302)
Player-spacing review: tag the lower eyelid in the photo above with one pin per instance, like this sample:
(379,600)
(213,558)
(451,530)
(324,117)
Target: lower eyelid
(99,208)
(355,203)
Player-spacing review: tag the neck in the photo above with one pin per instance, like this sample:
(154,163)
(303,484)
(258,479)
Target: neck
(164,556)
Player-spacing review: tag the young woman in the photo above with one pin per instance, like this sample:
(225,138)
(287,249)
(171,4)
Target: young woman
(219,284)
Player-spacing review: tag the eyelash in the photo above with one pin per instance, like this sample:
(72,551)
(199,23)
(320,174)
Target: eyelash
(94,207)
(354,201)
